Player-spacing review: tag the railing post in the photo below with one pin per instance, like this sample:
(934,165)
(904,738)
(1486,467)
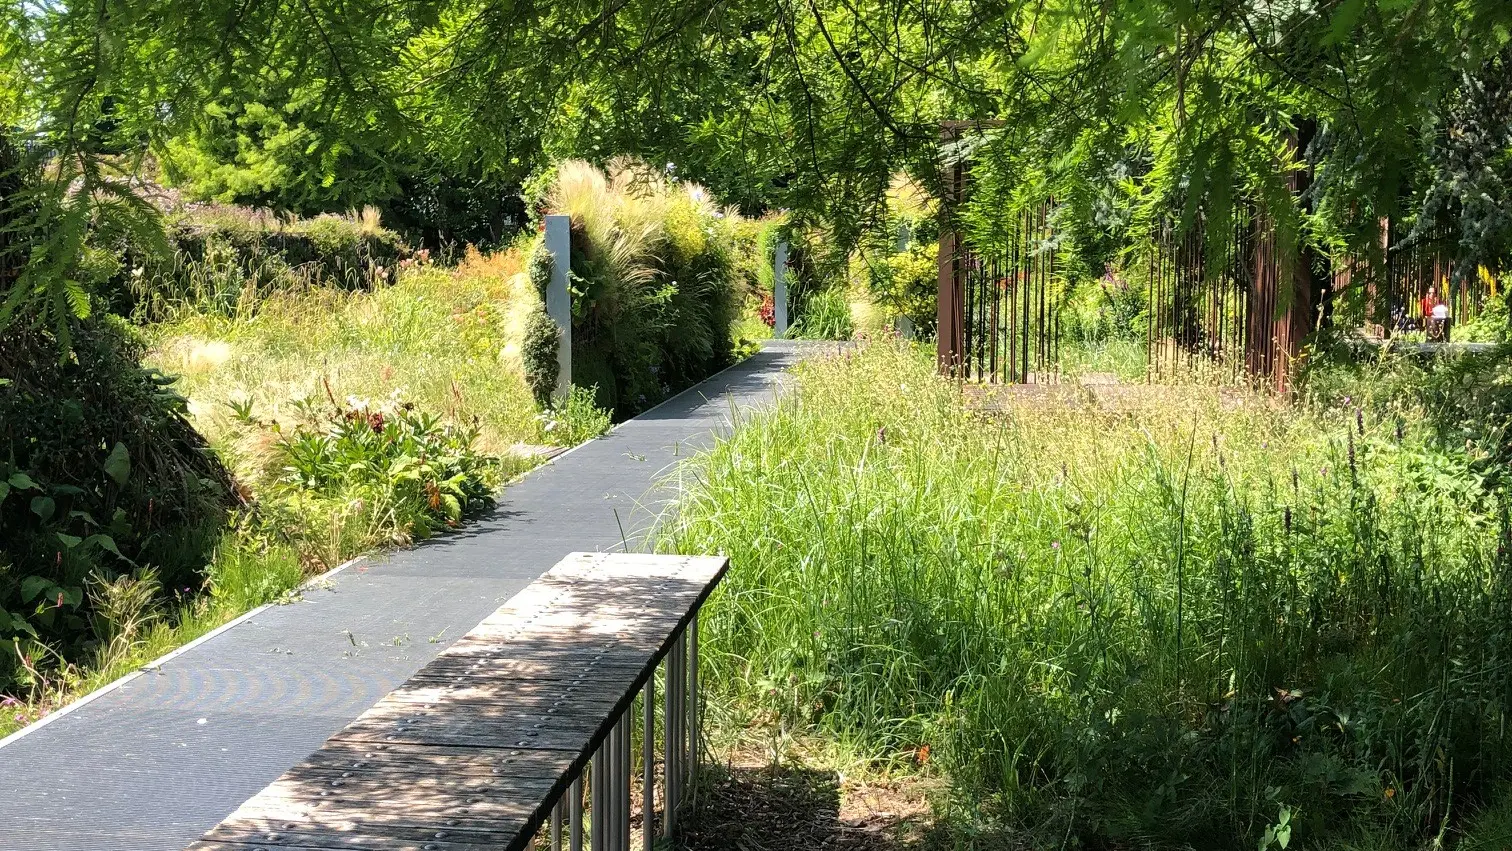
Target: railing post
(671,739)
(692,767)
(622,780)
(648,765)
(598,826)
(559,298)
(554,830)
(780,290)
(575,815)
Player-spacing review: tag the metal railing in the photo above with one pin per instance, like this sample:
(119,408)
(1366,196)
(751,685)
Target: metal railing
(603,815)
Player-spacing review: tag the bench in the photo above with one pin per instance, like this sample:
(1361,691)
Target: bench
(503,732)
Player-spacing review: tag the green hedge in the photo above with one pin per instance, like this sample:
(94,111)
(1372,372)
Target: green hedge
(227,259)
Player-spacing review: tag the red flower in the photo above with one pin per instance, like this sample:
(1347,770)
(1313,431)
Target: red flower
(769,311)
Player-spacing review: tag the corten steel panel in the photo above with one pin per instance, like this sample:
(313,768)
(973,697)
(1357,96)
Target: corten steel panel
(155,763)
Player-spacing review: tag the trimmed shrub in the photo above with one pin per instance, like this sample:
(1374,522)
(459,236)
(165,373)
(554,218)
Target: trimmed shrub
(228,259)
(538,354)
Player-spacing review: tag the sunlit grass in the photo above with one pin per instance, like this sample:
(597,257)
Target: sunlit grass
(436,338)
(1160,623)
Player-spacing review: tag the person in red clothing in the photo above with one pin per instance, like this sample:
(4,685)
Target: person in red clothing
(1428,302)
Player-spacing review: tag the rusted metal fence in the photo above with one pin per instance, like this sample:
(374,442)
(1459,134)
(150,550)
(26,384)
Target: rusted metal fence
(1011,321)
(1223,311)
(1394,291)
(1199,302)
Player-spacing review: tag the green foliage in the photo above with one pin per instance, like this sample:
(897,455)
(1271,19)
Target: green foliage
(539,268)
(1125,112)
(655,284)
(538,353)
(824,315)
(577,420)
(413,473)
(1172,621)
(1105,309)
(904,284)
(230,260)
(100,473)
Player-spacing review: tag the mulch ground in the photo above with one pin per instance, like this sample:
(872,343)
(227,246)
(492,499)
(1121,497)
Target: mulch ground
(753,807)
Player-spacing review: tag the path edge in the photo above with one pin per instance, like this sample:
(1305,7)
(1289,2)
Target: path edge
(149,667)
(312,582)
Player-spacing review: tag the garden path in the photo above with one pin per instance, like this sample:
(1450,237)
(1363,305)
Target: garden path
(154,760)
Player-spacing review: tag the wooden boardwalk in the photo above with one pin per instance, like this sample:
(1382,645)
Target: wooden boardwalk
(475,749)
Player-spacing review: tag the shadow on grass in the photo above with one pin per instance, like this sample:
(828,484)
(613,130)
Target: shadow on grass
(787,808)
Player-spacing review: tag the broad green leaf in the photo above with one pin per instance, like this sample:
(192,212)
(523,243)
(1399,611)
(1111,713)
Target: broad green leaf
(33,587)
(1343,24)
(4,490)
(43,507)
(69,541)
(118,464)
(21,482)
(104,542)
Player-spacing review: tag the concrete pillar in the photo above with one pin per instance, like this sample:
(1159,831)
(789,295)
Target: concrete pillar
(779,290)
(558,299)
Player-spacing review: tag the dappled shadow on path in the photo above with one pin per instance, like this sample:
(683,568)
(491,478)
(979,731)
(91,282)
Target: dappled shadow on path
(791,808)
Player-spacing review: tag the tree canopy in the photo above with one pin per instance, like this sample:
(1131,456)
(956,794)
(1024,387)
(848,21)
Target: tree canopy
(1121,109)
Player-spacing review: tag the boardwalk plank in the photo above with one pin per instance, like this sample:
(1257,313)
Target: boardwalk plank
(473,750)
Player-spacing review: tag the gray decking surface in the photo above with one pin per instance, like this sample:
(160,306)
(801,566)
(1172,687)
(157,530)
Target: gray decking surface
(156,762)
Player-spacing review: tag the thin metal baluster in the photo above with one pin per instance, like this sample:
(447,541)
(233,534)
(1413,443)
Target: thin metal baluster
(621,780)
(612,788)
(648,765)
(693,703)
(597,811)
(627,773)
(669,742)
(575,815)
(554,830)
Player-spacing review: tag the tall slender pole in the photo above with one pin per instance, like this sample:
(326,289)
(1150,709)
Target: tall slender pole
(622,780)
(671,771)
(559,298)
(648,765)
(597,811)
(575,815)
(693,702)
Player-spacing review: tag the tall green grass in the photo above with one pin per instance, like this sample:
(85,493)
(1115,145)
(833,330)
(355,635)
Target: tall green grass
(1179,623)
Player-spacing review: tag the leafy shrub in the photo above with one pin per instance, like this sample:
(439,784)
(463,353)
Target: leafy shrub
(824,315)
(655,286)
(229,259)
(100,473)
(903,284)
(577,420)
(409,473)
(538,354)
(1106,309)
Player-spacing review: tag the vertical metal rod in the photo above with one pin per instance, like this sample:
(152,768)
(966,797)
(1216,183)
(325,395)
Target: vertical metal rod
(575,815)
(622,780)
(554,829)
(596,809)
(611,788)
(648,765)
(669,741)
(693,699)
